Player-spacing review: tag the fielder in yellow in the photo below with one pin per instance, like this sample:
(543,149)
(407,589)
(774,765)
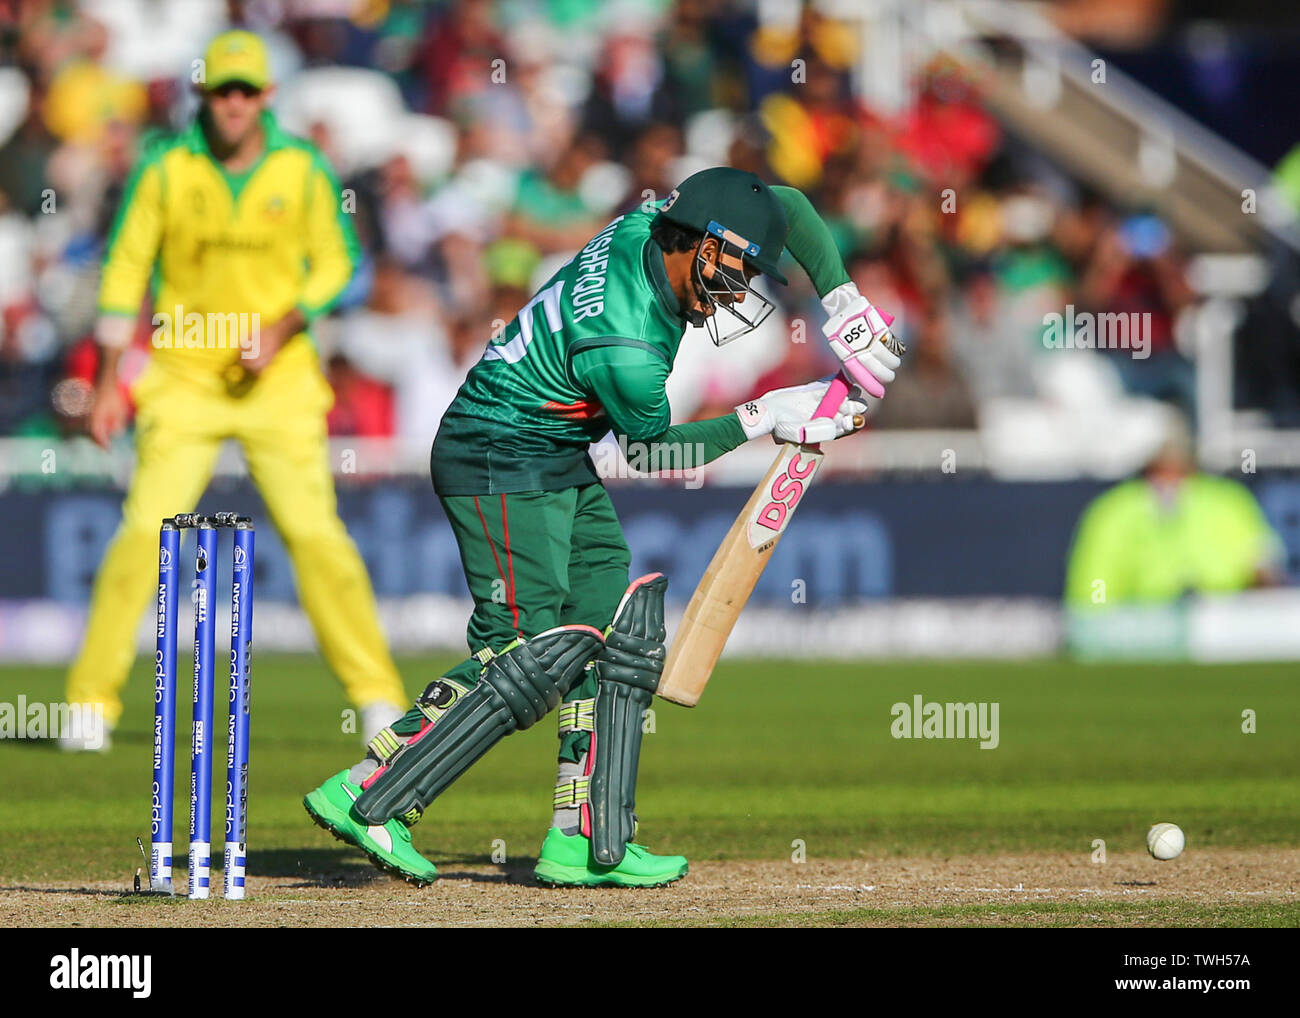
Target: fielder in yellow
(240,226)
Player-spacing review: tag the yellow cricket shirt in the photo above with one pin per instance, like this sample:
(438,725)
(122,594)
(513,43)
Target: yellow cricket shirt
(220,244)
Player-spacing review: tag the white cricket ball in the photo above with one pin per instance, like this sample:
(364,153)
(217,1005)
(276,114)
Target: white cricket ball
(1166,841)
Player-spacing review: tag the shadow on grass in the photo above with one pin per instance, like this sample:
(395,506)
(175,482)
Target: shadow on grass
(516,872)
(90,892)
(50,744)
(315,867)
(41,745)
(348,867)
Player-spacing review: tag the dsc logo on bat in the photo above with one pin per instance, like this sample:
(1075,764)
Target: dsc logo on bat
(791,475)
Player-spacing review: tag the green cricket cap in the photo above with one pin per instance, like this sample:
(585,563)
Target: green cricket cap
(733,205)
(236,56)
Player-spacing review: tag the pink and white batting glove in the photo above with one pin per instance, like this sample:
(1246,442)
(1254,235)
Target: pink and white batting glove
(787,414)
(859,334)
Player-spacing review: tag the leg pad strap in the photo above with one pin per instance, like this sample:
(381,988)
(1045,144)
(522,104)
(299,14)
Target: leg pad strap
(516,688)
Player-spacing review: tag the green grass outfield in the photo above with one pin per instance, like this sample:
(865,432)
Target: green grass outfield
(777,751)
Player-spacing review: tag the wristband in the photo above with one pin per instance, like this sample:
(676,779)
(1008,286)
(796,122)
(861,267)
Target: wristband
(114,331)
(754,418)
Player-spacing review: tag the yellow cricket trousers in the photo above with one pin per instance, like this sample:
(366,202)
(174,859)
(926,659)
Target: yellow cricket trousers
(280,425)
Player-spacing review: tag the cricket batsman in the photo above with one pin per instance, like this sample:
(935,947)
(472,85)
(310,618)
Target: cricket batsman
(241,226)
(555,622)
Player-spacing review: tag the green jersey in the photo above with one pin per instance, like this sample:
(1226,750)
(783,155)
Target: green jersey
(588,353)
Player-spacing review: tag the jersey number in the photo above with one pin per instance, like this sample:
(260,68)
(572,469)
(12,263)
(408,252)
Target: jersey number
(515,349)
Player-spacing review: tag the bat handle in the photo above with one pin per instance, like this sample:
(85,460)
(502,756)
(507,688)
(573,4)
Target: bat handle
(833,398)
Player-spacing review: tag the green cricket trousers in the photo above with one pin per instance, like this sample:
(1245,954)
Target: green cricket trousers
(534,560)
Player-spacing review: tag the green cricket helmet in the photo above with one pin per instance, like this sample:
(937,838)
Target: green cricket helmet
(745,218)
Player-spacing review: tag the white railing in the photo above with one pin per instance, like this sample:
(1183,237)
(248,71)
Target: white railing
(38,463)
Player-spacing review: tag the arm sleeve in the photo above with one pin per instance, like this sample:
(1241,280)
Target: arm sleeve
(810,242)
(133,244)
(629,382)
(332,248)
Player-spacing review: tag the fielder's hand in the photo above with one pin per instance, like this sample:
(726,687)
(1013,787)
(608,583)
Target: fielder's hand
(787,414)
(859,334)
(108,415)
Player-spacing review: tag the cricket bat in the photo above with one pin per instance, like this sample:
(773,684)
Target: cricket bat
(739,562)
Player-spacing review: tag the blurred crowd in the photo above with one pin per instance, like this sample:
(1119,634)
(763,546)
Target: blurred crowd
(481,143)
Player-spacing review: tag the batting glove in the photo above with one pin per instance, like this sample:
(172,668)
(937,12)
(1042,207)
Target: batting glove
(859,334)
(787,414)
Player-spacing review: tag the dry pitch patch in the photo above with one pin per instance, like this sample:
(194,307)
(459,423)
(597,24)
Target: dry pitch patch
(1204,887)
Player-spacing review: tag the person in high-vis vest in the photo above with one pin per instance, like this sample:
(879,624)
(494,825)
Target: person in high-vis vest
(1169,533)
(240,226)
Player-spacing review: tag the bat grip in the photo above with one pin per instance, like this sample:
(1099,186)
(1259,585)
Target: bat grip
(833,398)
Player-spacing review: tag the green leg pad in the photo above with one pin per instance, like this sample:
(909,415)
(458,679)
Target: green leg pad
(628,670)
(517,688)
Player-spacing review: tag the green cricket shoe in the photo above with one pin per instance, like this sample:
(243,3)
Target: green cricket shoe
(566,861)
(388,846)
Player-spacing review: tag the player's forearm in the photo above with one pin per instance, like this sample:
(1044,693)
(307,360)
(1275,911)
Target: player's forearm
(109,358)
(629,383)
(269,342)
(691,444)
(291,324)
